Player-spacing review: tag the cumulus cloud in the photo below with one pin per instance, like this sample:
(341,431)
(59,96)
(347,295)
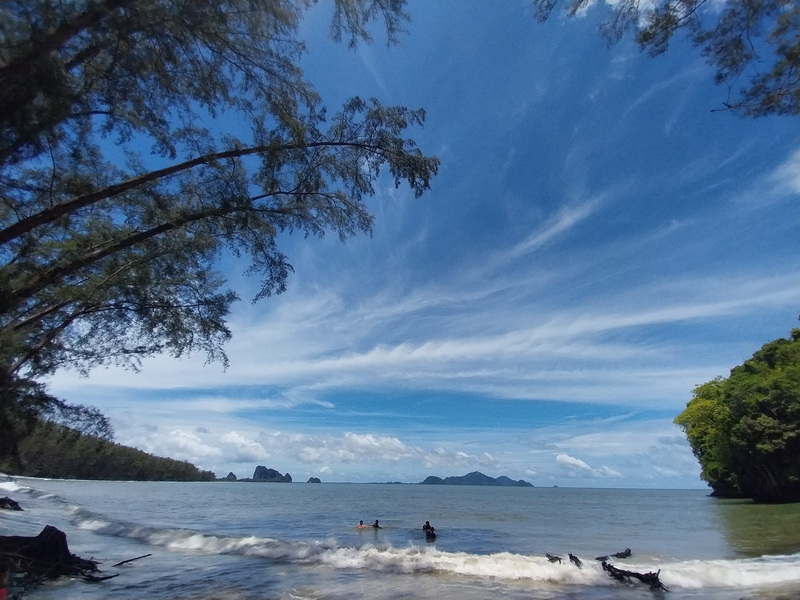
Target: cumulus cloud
(577,465)
(375,451)
(180,444)
(242,449)
(571,461)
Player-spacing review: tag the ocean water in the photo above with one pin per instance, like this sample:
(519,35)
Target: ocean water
(298,541)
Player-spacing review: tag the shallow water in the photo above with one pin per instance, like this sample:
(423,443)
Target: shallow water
(298,541)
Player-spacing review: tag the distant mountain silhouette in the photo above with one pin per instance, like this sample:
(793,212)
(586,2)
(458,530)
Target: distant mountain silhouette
(476,478)
(264,474)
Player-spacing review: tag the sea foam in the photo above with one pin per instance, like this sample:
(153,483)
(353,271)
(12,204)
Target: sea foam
(771,570)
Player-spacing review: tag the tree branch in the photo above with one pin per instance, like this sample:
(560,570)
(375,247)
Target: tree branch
(68,29)
(19,295)
(59,210)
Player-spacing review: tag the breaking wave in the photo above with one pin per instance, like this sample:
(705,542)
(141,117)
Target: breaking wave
(768,570)
(503,566)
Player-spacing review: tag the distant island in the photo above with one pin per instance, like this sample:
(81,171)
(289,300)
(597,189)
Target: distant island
(476,478)
(264,474)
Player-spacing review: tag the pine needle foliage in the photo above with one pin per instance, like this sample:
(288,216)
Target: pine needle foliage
(140,141)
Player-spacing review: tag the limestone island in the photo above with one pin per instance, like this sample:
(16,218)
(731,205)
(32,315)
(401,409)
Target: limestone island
(262,474)
(476,478)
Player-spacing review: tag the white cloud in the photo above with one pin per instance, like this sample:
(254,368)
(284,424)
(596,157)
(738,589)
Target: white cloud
(573,464)
(567,218)
(786,176)
(782,182)
(180,444)
(242,449)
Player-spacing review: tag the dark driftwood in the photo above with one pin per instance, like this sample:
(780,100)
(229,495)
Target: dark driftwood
(9,504)
(45,556)
(650,579)
(130,560)
(553,558)
(624,554)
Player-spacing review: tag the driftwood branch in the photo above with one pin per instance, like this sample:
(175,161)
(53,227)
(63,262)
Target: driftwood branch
(651,579)
(130,560)
(45,556)
(575,560)
(96,578)
(9,504)
(624,554)
(553,558)
(34,560)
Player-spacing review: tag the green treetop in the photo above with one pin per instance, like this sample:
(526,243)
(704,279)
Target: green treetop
(745,430)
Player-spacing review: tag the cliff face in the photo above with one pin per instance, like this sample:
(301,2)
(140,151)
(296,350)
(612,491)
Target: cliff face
(476,478)
(264,474)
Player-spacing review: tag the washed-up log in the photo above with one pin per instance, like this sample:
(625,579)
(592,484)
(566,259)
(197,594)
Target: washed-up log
(45,556)
(651,579)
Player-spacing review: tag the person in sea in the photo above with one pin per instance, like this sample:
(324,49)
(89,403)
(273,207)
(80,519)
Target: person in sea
(375,524)
(427,527)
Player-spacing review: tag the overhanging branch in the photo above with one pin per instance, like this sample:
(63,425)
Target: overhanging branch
(53,213)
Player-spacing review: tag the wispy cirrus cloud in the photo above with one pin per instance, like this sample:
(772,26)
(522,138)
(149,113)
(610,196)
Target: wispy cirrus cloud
(525,351)
(786,176)
(780,183)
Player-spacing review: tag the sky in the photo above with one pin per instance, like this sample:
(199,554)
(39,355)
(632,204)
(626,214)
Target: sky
(601,238)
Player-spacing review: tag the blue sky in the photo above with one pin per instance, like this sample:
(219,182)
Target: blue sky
(599,241)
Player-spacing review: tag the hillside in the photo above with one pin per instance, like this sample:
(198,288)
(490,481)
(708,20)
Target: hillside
(476,478)
(62,453)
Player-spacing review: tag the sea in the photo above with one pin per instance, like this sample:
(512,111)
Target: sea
(298,541)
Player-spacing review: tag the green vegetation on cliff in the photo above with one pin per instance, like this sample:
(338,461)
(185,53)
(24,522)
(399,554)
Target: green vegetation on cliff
(52,450)
(745,430)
